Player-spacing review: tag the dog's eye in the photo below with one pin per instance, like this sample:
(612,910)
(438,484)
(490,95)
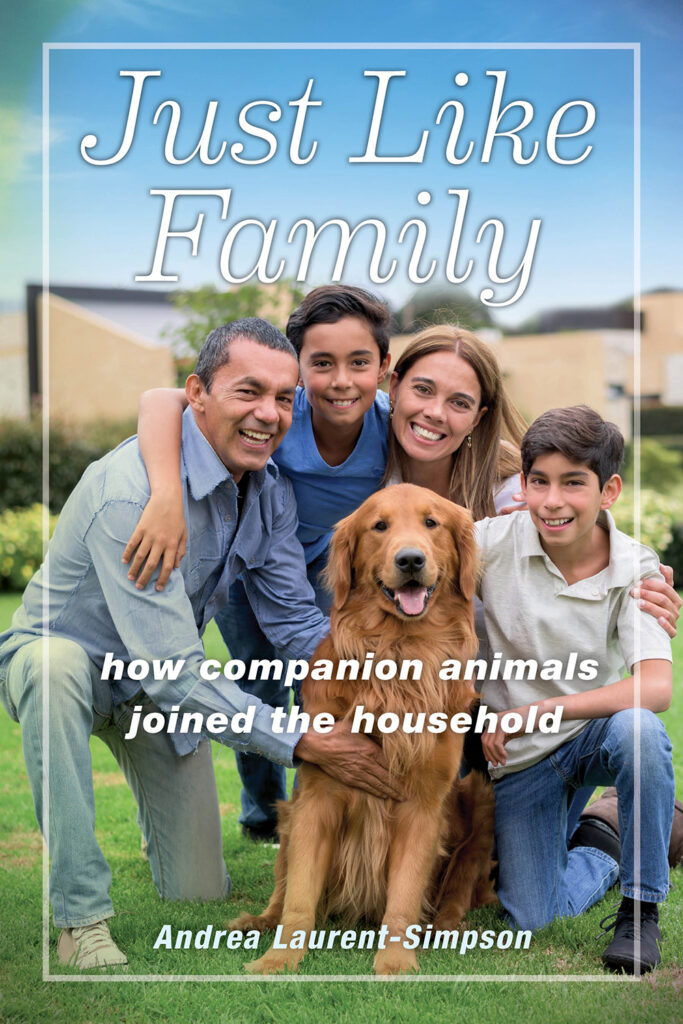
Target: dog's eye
(430,523)
(380,526)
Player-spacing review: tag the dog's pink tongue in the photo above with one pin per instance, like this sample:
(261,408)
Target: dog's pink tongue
(411,600)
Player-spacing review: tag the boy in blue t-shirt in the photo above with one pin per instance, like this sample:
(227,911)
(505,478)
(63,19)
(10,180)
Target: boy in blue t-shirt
(334,454)
(556,592)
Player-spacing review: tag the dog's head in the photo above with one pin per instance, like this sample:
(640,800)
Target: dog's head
(403,545)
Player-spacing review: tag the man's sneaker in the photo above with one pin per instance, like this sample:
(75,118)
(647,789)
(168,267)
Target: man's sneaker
(623,954)
(88,947)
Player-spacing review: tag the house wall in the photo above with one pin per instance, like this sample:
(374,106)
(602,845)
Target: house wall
(97,370)
(14,401)
(662,337)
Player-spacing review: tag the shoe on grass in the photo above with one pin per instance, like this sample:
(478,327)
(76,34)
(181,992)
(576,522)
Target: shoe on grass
(605,808)
(88,947)
(623,953)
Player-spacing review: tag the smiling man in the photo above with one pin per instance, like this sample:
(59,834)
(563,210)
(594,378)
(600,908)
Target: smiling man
(84,610)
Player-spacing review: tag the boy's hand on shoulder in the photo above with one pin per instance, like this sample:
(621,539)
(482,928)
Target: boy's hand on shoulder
(658,598)
(160,536)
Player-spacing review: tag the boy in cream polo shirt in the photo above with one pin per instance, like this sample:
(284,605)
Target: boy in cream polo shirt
(556,585)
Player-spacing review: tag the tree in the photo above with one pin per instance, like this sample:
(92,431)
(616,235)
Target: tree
(206,308)
(439,305)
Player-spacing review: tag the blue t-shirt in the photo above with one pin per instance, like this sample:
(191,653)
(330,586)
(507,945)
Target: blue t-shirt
(325,494)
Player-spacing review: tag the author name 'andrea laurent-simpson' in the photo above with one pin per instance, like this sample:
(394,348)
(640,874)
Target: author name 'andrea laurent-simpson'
(416,937)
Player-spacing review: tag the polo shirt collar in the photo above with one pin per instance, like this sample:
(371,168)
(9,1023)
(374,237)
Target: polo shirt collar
(204,471)
(530,542)
(620,571)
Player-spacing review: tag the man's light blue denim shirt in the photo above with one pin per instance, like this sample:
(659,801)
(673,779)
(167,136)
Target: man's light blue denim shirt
(92,601)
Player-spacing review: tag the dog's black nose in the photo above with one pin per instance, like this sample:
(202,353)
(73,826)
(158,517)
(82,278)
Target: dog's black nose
(410,560)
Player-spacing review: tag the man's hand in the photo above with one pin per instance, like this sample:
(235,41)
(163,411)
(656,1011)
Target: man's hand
(658,598)
(352,758)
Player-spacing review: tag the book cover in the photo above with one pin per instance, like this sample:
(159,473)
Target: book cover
(517,172)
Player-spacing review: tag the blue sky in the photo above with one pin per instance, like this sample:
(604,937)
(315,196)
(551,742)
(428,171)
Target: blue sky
(103,222)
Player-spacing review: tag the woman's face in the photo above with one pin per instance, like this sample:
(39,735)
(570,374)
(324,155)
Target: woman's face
(436,405)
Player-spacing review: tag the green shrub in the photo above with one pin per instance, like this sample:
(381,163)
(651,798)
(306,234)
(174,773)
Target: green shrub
(662,420)
(673,555)
(21,545)
(659,514)
(661,467)
(72,450)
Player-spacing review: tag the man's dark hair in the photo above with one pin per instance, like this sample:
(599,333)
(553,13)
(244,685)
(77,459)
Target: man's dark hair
(581,435)
(332,302)
(216,349)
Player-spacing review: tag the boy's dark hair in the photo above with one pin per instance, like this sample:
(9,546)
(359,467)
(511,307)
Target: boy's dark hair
(216,349)
(581,435)
(332,302)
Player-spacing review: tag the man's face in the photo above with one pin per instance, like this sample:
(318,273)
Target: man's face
(248,408)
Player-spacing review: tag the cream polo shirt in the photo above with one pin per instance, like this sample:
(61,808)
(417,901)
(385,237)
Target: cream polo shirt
(532,613)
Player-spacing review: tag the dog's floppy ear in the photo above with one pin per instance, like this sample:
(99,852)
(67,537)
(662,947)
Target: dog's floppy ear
(339,570)
(462,531)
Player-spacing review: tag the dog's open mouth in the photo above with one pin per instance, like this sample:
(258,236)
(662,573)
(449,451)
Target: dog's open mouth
(411,598)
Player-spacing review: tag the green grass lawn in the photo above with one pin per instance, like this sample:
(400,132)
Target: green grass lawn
(566,948)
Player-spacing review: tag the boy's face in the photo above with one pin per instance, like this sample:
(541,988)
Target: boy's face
(564,500)
(341,370)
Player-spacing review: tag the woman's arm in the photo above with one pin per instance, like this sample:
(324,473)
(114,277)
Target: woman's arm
(653,678)
(161,532)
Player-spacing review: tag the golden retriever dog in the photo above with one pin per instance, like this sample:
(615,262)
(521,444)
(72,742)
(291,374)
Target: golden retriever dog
(402,571)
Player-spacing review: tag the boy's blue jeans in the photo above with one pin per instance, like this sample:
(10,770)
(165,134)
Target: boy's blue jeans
(176,796)
(539,879)
(263,781)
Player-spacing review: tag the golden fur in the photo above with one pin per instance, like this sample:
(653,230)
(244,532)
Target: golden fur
(342,850)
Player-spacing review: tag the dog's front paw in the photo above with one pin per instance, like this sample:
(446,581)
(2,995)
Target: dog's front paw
(276,960)
(449,918)
(395,961)
(253,922)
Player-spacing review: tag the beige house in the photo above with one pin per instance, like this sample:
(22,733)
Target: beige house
(106,346)
(661,370)
(97,369)
(14,391)
(593,366)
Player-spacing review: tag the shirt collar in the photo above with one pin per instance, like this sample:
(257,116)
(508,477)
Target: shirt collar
(202,468)
(530,542)
(619,572)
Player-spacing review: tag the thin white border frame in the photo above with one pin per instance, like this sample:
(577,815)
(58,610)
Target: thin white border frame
(214,978)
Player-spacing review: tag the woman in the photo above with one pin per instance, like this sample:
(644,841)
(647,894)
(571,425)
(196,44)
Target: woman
(453,427)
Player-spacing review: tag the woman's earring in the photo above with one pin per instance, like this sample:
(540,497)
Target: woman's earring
(391,410)
(469,440)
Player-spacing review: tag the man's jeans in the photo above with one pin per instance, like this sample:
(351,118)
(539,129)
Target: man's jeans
(539,878)
(176,796)
(263,781)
